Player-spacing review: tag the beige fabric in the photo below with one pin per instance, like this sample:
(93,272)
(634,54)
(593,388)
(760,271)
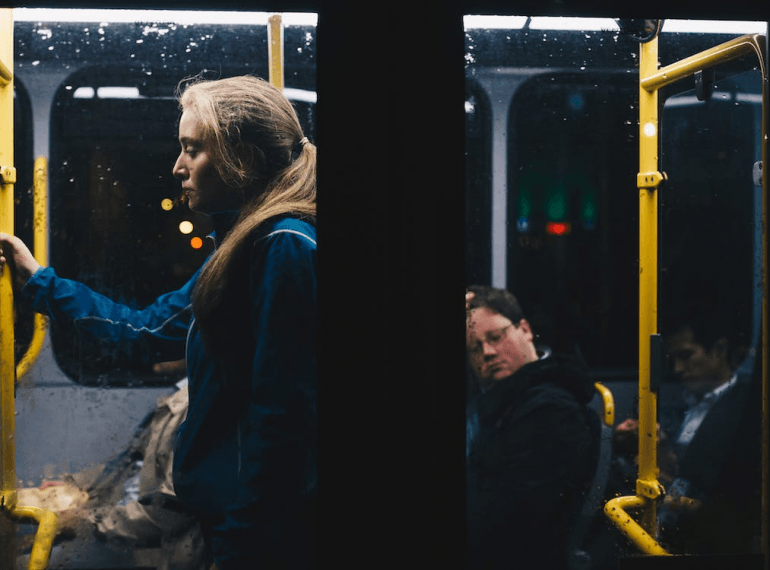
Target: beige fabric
(95,495)
(57,497)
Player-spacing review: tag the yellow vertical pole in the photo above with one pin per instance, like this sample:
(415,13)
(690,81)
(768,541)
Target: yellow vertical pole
(8,494)
(649,178)
(40,226)
(7,365)
(275,50)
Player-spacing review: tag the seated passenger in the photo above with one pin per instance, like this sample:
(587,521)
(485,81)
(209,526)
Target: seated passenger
(532,440)
(715,433)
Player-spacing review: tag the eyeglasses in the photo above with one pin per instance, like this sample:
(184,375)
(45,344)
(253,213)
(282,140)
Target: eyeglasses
(492,338)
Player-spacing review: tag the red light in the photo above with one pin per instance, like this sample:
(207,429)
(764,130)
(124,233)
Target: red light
(196,243)
(558,228)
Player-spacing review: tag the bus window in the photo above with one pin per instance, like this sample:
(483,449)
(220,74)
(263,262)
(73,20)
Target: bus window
(117,219)
(572,216)
(710,307)
(95,95)
(551,211)
(711,219)
(554,208)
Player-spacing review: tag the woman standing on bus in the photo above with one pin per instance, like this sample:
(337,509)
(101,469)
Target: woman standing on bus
(245,458)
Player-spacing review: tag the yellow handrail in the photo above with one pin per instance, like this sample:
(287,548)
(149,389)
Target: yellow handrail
(40,216)
(8,495)
(41,549)
(7,368)
(722,53)
(44,537)
(608,404)
(275,50)
(615,509)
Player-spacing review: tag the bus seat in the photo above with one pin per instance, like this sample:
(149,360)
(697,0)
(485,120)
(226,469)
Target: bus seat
(579,555)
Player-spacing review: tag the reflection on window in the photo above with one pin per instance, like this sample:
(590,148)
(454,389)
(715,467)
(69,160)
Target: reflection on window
(552,131)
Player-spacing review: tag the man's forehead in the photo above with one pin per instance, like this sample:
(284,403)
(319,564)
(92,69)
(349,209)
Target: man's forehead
(683,336)
(482,319)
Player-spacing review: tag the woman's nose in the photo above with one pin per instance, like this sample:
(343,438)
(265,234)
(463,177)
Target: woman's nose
(177,170)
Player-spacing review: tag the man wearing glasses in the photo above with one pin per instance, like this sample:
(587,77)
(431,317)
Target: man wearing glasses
(532,440)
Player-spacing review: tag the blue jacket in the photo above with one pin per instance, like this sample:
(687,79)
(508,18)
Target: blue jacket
(245,458)
(156,333)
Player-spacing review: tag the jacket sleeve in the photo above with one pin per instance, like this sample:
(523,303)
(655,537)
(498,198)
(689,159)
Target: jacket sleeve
(278,444)
(156,333)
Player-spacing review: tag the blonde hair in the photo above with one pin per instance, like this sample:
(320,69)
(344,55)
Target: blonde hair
(257,145)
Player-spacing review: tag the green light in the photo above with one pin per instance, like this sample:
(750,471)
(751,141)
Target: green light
(529,183)
(524,204)
(588,210)
(556,202)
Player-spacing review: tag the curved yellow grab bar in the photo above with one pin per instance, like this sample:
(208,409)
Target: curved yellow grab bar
(46,532)
(609,403)
(744,45)
(615,509)
(40,217)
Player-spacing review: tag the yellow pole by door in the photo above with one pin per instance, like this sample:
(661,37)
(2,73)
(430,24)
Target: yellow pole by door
(649,178)
(8,494)
(7,172)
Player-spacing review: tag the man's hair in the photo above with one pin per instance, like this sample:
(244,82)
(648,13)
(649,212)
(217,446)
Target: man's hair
(497,300)
(708,326)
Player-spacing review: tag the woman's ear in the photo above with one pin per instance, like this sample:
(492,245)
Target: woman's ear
(250,160)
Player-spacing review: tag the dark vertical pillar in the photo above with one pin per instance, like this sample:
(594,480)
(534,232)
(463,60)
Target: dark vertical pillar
(391,183)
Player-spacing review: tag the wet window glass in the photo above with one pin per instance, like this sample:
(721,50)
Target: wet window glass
(95,95)
(548,161)
(552,216)
(104,98)
(711,307)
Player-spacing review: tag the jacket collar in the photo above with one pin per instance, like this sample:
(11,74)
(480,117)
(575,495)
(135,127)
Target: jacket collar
(223,222)
(558,370)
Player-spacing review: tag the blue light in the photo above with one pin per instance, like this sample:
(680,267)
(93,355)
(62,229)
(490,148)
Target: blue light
(576,102)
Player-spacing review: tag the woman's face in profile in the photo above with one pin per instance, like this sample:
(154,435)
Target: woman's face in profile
(204,188)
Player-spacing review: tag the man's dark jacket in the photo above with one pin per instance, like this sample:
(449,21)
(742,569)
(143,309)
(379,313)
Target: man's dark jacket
(723,466)
(529,463)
